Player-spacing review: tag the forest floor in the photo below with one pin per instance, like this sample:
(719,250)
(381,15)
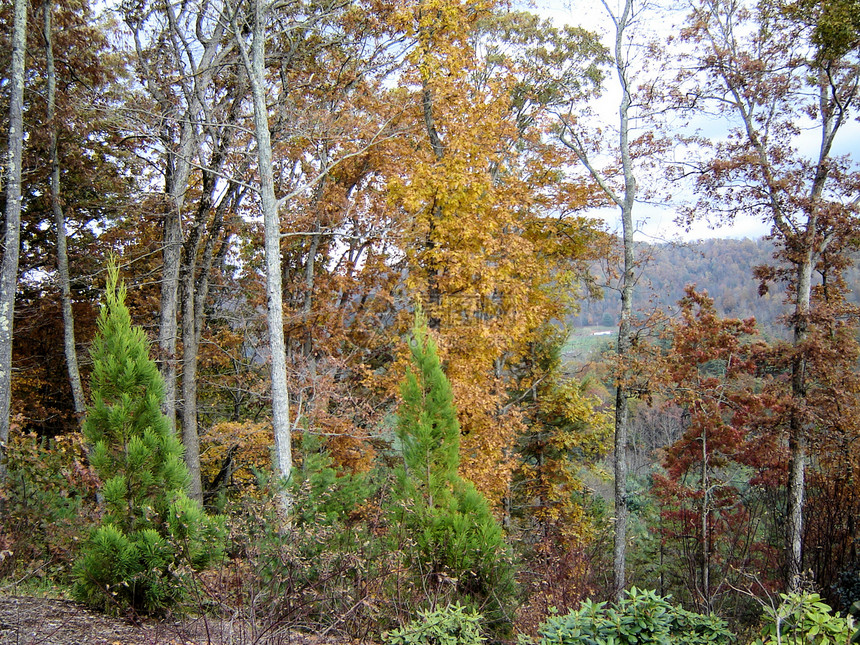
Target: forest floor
(46,621)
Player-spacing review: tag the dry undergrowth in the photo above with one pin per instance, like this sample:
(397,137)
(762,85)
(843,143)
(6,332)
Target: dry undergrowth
(37,621)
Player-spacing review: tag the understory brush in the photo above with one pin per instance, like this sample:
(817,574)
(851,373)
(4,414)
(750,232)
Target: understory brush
(321,568)
(338,562)
(48,501)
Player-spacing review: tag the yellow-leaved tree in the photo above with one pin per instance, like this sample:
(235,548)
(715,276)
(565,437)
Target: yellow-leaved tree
(492,250)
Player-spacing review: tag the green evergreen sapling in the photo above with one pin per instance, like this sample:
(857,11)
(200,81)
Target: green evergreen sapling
(455,533)
(151,533)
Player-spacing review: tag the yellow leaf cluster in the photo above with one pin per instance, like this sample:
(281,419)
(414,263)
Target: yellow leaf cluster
(247,444)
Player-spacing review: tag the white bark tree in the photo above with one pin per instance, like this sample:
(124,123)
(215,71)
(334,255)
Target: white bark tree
(11,242)
(620,187)
(303,32)
(254,62)
(761,69)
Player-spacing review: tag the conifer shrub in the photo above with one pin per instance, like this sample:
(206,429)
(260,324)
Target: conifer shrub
(151,535)
(457,545)
(641,618)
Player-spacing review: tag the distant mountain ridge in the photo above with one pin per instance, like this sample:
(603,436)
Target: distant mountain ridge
(722,267)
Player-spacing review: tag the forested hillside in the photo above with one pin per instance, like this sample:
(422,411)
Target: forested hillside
(285,301)
(722,267)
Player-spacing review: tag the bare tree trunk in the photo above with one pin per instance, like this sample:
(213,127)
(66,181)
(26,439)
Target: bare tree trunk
(11,243)
(797,430)
(167,325)
(60,223)
(625,201)
(272,244)
(706,537)
(194,285)
(179,163)
(192,77)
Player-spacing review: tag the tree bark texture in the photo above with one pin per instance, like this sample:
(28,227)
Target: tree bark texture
(572,138)
(60,224)
(272,244)
(194,285)
(622,412)
(11,242)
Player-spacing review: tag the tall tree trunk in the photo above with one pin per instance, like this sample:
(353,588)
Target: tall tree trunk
(434,271)
(622,411)
(179,164)
(797,428)
(571,137)
(706,536)
(812,250)
(11,243)
(167,325)
(194,285)
(60,223)
(805,221)
(272,243)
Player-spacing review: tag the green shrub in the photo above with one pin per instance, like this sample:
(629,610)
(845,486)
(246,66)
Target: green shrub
(151,534)
(323,567)
(450,625)
(323,493)
(642,618)
(804,618)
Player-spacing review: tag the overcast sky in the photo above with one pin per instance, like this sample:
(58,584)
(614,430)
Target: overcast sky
(656,222)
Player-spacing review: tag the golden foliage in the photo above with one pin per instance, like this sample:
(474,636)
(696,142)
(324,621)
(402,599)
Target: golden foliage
(488,266)
(240,447)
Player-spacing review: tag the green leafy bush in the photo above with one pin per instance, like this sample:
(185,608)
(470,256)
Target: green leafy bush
(804,618)
(449,625)
(151,534)
(642,618)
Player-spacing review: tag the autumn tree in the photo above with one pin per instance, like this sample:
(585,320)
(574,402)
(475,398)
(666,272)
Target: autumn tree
(297,36)
(711,514)
(190,122)
(767,72)
(830,504)
(187,121)
(253,59)
(71,86)
(490,266)
(567,430)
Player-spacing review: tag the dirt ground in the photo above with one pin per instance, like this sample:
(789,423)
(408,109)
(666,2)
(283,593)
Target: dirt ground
(32,621)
